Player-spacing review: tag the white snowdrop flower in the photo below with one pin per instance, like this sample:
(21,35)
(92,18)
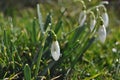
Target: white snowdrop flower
(92,24)
(82,18)
(102,33)
(105,18)
(55,50)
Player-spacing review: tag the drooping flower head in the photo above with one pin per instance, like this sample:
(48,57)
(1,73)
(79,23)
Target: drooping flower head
(82,15)
(92,24)
(102,33)
(105,18)
(82,18)
(55,50)
(92,21)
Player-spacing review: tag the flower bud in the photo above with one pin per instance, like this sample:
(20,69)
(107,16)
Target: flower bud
(105,19)
(82,18)
(102,33)
(55,50)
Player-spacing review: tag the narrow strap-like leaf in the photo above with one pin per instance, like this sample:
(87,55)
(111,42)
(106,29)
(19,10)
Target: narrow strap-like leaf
(27,72)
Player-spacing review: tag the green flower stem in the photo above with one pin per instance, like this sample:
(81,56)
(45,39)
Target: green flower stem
(74,30)
(82,2)
(54,37)
(94,7)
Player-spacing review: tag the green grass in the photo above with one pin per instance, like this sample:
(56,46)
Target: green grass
(25,50)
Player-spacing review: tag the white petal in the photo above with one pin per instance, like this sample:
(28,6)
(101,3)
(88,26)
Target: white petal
(55,56)
(82,18)
(55,50)
(102,34)
(105,19)
(92,24)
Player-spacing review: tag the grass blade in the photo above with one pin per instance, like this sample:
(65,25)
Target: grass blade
(40,19)
(27,72)
(34,31)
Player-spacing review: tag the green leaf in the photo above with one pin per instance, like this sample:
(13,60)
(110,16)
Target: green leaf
(40,19)
(5,38)
(27,72)
(85,48)
(48,21)
(94,76)
(34,31)
(58,25)
(78,32)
